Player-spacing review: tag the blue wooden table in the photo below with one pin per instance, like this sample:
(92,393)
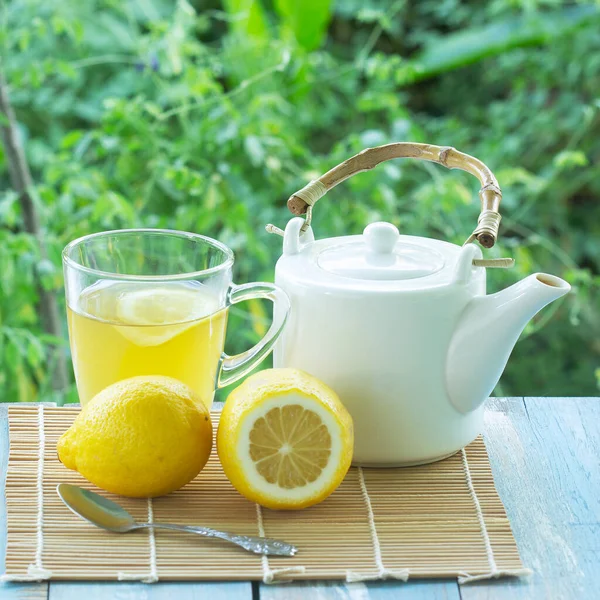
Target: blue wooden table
(545,454)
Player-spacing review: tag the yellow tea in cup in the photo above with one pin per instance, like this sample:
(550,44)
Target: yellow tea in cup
(155,302)
(124,329)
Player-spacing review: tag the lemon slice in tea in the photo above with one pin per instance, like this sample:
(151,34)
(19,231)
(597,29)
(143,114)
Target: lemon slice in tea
(152,314)
(285,440)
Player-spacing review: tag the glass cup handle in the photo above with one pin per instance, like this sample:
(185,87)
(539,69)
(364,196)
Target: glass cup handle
(234,367)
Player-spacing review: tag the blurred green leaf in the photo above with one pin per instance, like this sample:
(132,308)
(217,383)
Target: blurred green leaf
(472,45)
(35,352)
(248,18)
(307,20)
(569,159)
(12,356)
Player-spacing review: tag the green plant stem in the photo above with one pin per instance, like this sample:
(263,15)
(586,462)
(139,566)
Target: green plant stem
(104,59)
(557,251)
(376,34)
(240,88)
(22,183)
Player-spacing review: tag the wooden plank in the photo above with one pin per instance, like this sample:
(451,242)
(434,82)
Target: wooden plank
(380,590)
(12,591)
(83,590)
(545,457)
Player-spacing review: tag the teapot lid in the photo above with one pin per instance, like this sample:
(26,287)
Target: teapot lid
(379,260)
(380,255)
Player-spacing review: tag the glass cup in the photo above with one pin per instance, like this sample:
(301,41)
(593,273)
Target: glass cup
(155,302)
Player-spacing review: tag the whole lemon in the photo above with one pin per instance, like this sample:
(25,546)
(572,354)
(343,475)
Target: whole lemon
(140,437)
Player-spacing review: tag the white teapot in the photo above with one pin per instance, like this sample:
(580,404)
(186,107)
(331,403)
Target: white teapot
(400,326)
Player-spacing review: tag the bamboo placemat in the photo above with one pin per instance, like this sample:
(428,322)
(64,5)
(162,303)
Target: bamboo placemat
(438,520)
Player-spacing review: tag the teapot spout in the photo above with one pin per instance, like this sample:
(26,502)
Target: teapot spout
(486,334)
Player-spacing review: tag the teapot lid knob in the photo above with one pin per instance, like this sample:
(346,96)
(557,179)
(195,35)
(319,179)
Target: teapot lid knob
(381,254)
(381,237)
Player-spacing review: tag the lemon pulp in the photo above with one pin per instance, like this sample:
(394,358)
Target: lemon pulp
(290,446)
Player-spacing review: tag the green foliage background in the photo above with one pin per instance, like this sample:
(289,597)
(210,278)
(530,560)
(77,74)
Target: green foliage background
(205,116)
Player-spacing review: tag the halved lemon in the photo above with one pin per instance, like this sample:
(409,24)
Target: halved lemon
(285,440)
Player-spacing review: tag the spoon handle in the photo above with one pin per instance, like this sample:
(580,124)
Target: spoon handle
(258,545)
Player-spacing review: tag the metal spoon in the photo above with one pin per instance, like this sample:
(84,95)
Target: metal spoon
(108,515)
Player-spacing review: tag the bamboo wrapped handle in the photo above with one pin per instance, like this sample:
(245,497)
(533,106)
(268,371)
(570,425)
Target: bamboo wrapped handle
(490,194)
